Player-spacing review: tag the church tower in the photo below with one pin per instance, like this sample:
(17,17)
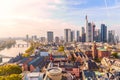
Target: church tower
(94,51)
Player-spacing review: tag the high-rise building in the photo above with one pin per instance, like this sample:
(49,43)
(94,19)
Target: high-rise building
(34,37)
(111,36)
(61,38)
(89,31)
(72,36)
(93,32)
(42,39)
(78,36)
(57,40)
(27,37)
(103,33)
(50,36)
(67,35)
(97,35)
(83,35)
(116,39)
(89,36)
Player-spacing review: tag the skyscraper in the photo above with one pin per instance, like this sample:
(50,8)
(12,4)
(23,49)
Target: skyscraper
(111,36)
(78,36)
(72,36)
(93,32)
(103,33)
(50,36)
(83,35)
(89,31)
(116,39)
(97,35)
(34,37)
(89,36)
(27,37)
(67,35)
(57,40)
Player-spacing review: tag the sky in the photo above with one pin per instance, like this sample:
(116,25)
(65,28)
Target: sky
(36,17)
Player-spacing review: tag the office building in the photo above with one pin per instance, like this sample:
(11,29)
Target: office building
(27,37)
(57,40)
(116,39)
(78,36)
(89,37)
(111,36)
(97,35)
(42,39)
(34,37)
(50,36)
(67,35)
(72,36)
(93,32)
(83,35)
(89,31)
(103,33)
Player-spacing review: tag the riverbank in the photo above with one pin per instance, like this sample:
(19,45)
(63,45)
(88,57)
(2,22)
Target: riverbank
(13,51)
(7,43)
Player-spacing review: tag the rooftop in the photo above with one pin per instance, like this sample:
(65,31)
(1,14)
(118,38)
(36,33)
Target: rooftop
(89,75)
(33,76)
(101,49)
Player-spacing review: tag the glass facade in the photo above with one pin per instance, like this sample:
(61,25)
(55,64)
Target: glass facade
(103,33)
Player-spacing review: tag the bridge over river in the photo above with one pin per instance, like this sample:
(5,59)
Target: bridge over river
(12,52)
(21,45)
(3,56)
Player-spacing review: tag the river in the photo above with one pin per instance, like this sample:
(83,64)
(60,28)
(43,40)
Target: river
(13,51)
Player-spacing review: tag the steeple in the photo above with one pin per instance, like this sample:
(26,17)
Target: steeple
(94,50)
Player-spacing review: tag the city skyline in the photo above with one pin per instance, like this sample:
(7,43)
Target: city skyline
(35,17)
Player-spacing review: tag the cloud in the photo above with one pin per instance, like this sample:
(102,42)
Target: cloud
(117,2)
(35,27)
(20,17)
(75,2)
(30,8)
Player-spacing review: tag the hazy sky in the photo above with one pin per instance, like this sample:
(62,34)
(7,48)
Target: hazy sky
(35,17)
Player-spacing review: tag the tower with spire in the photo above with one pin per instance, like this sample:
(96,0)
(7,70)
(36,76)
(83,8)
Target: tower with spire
(94,50)
(86,25)
(90,28)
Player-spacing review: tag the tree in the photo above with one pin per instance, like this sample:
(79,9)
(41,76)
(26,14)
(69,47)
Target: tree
(97,60)
(30,49)
(2,78)
(6,70)
(14,77)
(61,49)
(11,77)
(115,55)
(26,54)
